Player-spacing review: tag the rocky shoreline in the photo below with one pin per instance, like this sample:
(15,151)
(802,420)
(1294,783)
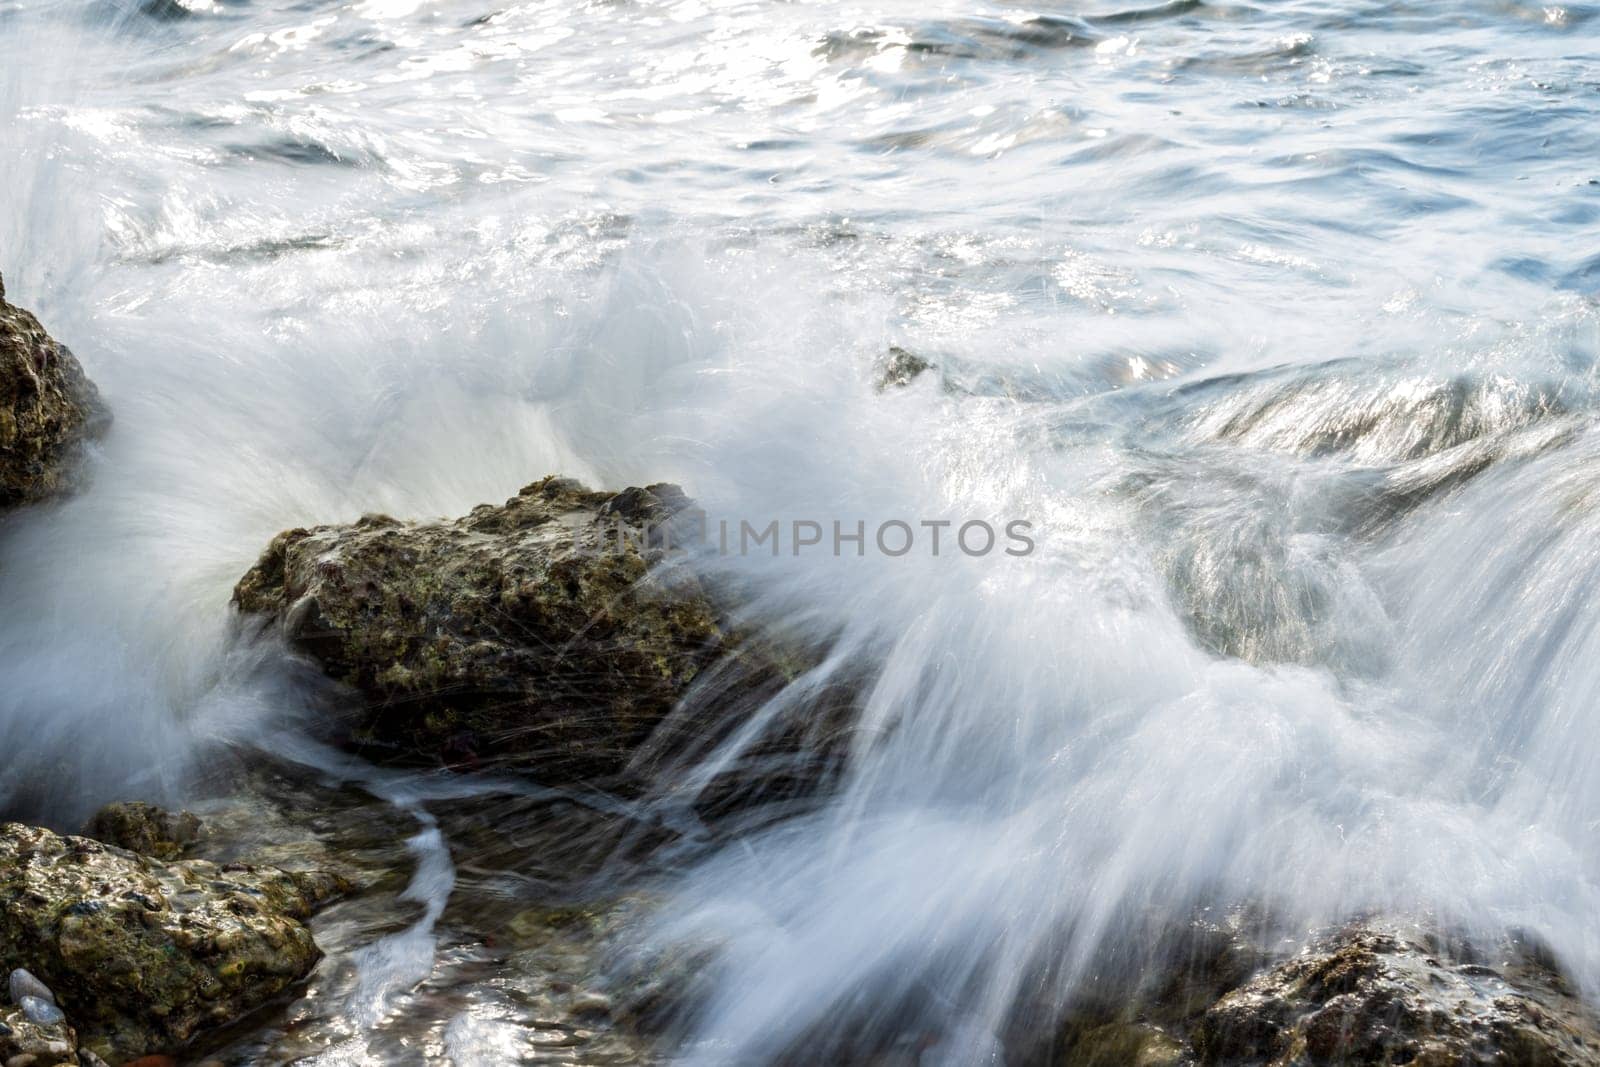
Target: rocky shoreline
(233,938)
(548,637)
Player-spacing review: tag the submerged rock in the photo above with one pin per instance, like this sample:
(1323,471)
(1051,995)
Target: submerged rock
(1251,574)
(1375,996)
(536,630)
(48,408)
(142,954)
(145,829)
(1374,419)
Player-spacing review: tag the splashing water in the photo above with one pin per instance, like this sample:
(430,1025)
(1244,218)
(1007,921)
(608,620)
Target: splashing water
(1277,321)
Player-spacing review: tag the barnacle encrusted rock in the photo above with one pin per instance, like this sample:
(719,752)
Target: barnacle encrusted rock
(1390,996)
(142,954)
(48,407)
(533,629)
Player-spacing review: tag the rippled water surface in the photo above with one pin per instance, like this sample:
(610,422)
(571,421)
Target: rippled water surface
(1278,320)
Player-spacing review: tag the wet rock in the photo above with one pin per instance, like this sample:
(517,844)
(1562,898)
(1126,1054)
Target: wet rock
(1130,1044)
(1388,996)
(900,368)
(145,829)
(1259,581)
(42,1012)
(26,1043)
(142,954)
(589,1002)
(48,408)
(661,990)
(22,984)
(1375,419)
(535,631)
(1153,981)
(89,1059)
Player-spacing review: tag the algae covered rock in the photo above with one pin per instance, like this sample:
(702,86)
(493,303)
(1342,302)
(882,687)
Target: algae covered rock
(145,829)
(142,954)
(48,408)
(536,630)
(1380,996)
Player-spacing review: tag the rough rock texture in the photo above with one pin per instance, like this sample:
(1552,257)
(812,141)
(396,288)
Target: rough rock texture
(145,829)
(1218,990)
(25,1043)
(1373,996)
(900,368)
(141,954)
(531,630)
(48,407)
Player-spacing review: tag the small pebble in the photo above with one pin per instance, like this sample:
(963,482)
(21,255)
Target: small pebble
(89,1059)
(41,1012)
(23,984)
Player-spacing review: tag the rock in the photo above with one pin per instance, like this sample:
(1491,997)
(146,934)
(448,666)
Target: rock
(42,1012)
(145,829)
(1370,995)
(1371,418)
(1133,1044)
(89,1059)
(142,954)
(589,1002)
(534,631)
(900,368)
(48,408)
(26,1043)
(662,989)
(22,984)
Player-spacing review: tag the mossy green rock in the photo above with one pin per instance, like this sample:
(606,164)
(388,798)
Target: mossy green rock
(48,408)
(536,631)
(142,954)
